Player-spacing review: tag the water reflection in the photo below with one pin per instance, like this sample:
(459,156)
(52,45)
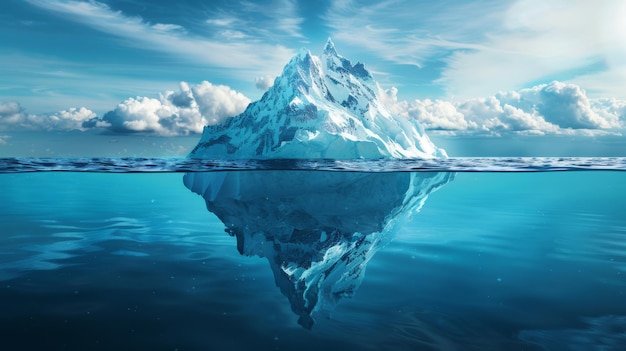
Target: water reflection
(318,230)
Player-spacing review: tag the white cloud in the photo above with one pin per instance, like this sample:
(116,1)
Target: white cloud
(272,21)
(174,113)
(45,84)
(410,32)
(438,114)
(536,39)
(221,22)
(13,116)
(162,27)
(432,114)
(264,83)
(184,112)
(562,104)
(72,118)
(488,46)
(493,116)
(218,102)
(241,55)
(75,114)
(279,17)
(555,108)
(3,139)
(612,110)
(10,113)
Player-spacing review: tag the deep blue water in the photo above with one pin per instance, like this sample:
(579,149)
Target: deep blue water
(492,261)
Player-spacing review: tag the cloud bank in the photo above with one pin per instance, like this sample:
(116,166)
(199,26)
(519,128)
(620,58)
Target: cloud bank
(554,108)
(174,113)
(536,39)
(183,112)
(14,116)
(491,45)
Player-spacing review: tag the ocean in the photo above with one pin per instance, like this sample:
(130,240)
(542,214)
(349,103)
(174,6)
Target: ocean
(459,254)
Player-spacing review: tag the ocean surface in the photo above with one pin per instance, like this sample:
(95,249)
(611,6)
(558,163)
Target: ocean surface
(458,254)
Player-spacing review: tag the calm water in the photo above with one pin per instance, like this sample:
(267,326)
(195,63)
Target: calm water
(502,260)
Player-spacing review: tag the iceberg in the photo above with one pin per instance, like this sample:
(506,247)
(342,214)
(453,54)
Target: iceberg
(319,107)
(317,229)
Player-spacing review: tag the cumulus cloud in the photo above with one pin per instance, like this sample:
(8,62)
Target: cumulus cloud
(432,114)
(494,116)
(565,105)
(554,108)
(72,118)
(183,112)
(10,113)
(612,110)
(3,139)
(264,83)
(13,116)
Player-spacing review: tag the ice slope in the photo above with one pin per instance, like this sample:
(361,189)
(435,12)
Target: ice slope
(319,107)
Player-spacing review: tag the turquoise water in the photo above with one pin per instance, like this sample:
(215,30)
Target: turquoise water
(492,261)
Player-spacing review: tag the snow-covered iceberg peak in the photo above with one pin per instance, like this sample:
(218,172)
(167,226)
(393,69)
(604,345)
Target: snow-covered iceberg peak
(319,107)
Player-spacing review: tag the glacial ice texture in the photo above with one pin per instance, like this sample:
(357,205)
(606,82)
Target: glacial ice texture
(320,107)
(317,230)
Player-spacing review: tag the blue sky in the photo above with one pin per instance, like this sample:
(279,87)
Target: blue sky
(487,72)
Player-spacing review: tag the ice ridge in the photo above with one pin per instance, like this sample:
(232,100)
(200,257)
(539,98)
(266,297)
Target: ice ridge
(319,107)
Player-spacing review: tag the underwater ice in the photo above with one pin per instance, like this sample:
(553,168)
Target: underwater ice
(318,230)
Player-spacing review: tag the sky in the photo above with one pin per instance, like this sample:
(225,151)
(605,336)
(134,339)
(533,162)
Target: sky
(141,78)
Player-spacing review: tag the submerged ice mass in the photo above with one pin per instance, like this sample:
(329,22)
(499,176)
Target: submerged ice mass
(318,230)
(319,107)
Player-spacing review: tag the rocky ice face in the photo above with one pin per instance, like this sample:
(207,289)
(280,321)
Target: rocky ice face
(319,107)
(318,230)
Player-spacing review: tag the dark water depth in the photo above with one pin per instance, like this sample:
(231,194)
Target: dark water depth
(465,261)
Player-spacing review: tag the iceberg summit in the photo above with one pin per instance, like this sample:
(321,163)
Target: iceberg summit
(319,107)
(317,229)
